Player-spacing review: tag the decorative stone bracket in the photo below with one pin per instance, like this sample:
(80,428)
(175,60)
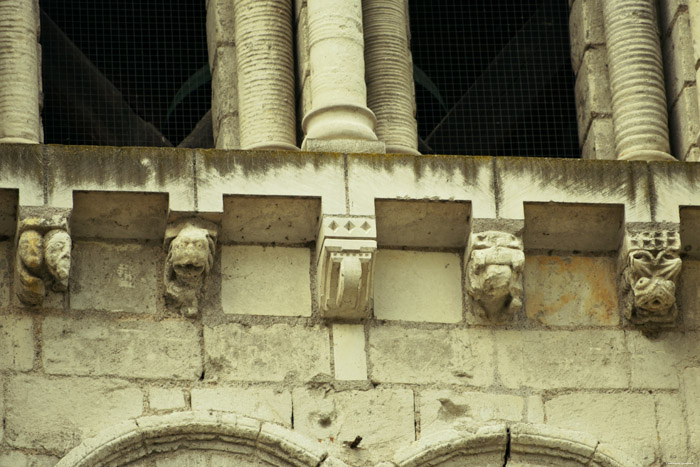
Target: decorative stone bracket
(191,245)
(494,266)
(43,255)
(650,267)
(345,253)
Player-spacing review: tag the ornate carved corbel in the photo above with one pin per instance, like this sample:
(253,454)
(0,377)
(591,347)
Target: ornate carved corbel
(345,254)
(650,268)
(43,256)
(495,263)
(191,246)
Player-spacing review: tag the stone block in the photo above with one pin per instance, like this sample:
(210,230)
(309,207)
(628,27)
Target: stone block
(600,140)
(5,253)
(2,411)
(384,418)
(446,356)
(672,432)
(679,62)
(535,409)
(626,421)
(689,293)
(54,415)
(657,363)
(266,353)
(349,354)
(418,286)
(114,277)
(684,122)
(226,134)
(352,146)
(141,349)
(562,359)
(224,89)
(21,459)
(689,390)
(571,290)
(586,29)
(422,224)
(166,398)
(278,220)
(444,409)
(16,343)
(261,403)
(259,280)
(220,23)
(592,89)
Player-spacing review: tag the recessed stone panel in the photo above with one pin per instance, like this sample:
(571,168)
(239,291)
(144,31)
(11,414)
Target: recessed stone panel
(418,286)
(259,280)
(114,277)
(571,290)
(8,213)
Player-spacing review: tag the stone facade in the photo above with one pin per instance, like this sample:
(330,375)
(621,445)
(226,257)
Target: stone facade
(242,306)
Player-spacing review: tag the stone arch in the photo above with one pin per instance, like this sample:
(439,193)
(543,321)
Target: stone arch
(203,437)
(522,445)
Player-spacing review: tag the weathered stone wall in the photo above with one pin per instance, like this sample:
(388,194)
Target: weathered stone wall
(111,349)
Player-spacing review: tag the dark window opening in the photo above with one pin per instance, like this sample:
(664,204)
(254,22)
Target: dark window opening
(125,73)
(493,77)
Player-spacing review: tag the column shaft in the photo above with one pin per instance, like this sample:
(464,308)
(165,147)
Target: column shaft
(635,67)
(263,34)
(389,72)
(20,75)
(338,90)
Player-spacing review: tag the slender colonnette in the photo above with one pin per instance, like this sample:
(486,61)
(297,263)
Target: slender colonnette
(264,47)
(389,71)
(19,69)
(635,66)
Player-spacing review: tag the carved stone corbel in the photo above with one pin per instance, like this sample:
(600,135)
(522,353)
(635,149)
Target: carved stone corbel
(650,267)
(495,263)
(191,245)
(345,262)
(43,256)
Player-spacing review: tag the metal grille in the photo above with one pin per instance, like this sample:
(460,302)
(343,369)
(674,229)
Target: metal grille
(493,77)
(125,72)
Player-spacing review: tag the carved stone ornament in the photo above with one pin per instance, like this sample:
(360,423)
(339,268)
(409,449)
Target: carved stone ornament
(191,246)
(345,253)
(495,263)
(43,257)
(650,269)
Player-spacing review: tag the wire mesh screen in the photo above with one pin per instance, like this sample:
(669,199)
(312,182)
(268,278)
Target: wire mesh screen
(493,77)
(125,72)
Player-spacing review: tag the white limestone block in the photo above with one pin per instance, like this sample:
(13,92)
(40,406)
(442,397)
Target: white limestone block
(16,343)
(166,398)
(272,281)
(262,403)
(349,354)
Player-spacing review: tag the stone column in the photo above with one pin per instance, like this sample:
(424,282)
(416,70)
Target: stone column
(20,76)
(263,35)
(338,91)
(389,72)
(636,74)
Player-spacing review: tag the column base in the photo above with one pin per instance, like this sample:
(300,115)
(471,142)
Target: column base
(343,145)
(343,121)
(271,146)
(647,156)
(396,149)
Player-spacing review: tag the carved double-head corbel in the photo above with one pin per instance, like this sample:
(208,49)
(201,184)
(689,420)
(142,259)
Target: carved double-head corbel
(650,268)
(191,245)
(345,261)
(43,255)
(494,266)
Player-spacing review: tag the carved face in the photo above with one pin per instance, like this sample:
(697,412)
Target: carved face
(191,254)
(57,254)
(494,268)
(31,249)
(652,276)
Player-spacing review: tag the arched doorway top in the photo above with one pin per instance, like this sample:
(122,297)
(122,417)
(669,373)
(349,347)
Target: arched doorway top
(221,433)
(523,444)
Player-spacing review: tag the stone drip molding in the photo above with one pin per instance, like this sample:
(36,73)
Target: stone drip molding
(151,437)
(494,267)
(650,268)
(346,248)
(43,254)
(191,245)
